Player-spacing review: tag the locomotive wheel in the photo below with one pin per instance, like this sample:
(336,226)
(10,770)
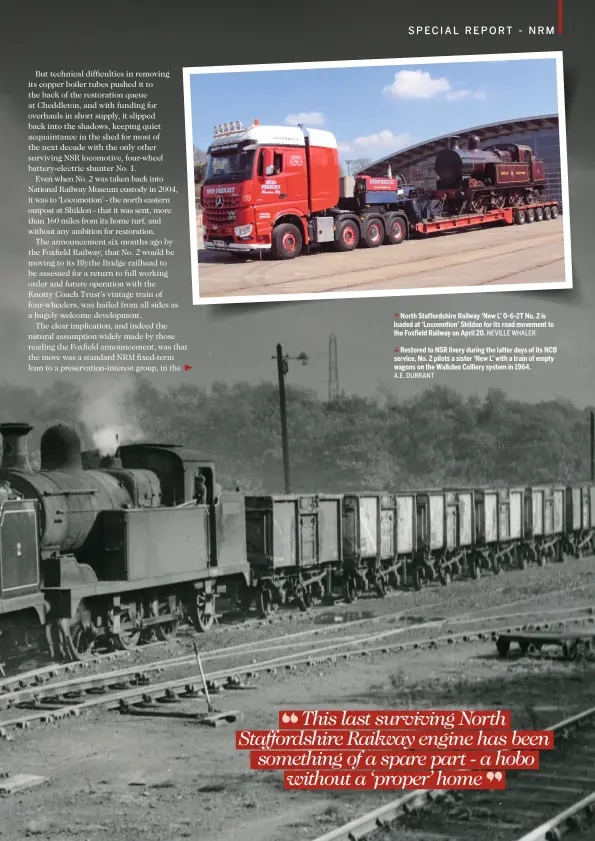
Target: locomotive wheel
(167,630)
(541,560)
(529,215)
(554,212)
(519,217)
(547,212)
(287,242)
(395,230)
(129,636)
(477,206)
(346,235)
(77,640)
(372,232)
(538,214)
(498,202)
(200,619)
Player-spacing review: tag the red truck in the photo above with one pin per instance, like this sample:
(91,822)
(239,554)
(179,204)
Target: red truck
(279,189)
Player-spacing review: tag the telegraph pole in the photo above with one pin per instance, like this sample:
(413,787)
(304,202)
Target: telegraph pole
(333,368)
(592,446)
(282,369)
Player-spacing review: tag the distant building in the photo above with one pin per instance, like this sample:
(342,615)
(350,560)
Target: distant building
(416,163)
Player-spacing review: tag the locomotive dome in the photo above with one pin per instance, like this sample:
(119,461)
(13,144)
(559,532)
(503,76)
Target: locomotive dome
(60,449)
(417,163)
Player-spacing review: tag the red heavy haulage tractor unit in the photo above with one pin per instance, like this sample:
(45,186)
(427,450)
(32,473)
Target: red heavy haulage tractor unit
(279,189)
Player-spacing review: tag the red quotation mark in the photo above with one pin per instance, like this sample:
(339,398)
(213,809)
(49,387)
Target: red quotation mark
(397,315)
(397,350)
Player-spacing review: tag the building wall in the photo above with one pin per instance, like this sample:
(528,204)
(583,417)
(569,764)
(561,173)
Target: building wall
(545,143)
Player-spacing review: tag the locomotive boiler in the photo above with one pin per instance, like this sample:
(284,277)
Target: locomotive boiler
(474,180)
(123,551)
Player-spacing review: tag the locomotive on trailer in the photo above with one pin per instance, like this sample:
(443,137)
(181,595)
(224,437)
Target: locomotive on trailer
(120,551)
(474,180)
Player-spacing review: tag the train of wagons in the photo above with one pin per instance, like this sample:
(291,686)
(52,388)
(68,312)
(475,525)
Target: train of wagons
(120,553)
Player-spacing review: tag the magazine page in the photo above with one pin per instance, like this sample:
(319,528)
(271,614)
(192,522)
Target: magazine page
(297,483)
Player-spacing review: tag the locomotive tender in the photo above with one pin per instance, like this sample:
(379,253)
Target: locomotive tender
(126,550)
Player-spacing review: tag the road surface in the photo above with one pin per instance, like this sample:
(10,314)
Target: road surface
(490,256)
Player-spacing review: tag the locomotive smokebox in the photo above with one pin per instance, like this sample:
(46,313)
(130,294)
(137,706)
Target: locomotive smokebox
(61,449)
(14,446)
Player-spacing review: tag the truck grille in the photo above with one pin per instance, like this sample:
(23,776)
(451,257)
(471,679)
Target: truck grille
(219,215)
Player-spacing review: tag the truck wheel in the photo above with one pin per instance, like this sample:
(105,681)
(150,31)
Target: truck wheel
(519,217)
(395,230)
(547,212)
(372,233)
(538,214)
(530,215)
(554,212)
(346,236)
(287,242)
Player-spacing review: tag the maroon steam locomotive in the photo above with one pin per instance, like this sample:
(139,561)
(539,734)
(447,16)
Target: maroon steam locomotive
(475,180)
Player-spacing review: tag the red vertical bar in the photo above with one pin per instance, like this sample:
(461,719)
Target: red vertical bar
(560,17)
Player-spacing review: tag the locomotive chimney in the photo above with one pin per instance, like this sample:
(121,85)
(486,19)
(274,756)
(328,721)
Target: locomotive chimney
(14,446)
(61,449)
(454,142)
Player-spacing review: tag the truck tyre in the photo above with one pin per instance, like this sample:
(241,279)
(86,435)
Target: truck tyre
(538,214)
(529,215)
(287,242)
(396,230)
(547,212)
(346,235)
(554,212)
(372,232)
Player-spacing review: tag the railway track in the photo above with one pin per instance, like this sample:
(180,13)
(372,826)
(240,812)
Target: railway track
(125,688)
(554,802)
(50,671)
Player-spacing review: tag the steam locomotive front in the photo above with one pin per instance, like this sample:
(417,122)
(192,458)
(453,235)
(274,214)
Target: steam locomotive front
(454,164)
(70,498)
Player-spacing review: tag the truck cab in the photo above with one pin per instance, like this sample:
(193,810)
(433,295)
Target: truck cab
(263,179)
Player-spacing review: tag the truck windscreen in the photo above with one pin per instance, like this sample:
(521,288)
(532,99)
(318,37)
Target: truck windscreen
(230,166)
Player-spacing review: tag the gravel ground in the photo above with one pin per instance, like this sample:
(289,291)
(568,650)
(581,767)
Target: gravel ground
(115,776)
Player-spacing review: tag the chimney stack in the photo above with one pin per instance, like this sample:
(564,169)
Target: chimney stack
(14,446)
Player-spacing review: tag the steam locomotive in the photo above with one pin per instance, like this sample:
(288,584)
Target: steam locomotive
(122,552)
(474,180)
